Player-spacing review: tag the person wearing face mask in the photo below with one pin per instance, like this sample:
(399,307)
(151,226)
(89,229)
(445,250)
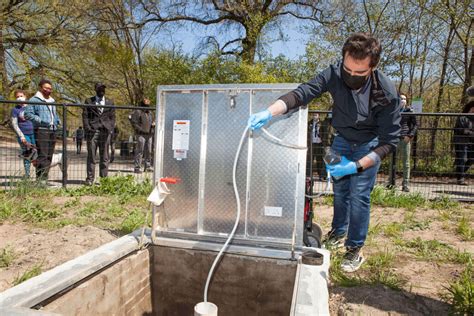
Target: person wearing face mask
(366,117)
(99,123)
(408,126)
(143,123)
(463,139)
(23,129)
(46,122)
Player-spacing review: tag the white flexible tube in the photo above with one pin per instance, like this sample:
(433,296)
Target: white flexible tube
(282,142)
(236,192)
(209,276)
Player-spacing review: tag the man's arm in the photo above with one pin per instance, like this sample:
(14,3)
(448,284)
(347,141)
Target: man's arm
(30,114)
(298,97)
(388,133)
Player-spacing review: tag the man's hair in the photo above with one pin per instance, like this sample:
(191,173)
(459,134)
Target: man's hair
(44,81)
(19,91)
(361,46)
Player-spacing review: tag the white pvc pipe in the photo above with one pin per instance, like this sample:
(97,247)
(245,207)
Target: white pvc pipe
(205,309)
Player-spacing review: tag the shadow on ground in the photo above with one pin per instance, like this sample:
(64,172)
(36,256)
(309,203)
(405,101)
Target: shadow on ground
(380,300)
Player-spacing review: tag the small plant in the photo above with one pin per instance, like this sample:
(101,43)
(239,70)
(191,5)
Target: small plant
(6,209)
(88,209)
(390,198)
(464,229)
(339,277)
(7,255)
(393,229)
(33,210)
(379,267)
(72,203)
(444,203)
(134,220)
(34,271)
(428,249)
(460,293)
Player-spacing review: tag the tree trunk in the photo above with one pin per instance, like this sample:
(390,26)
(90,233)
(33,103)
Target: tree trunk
(442,79)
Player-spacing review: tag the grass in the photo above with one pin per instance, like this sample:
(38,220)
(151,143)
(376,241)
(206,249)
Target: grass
(391,198)
(464,229)
(7,255)
(118,204)
(434,250)
(377,270)
(32,272)
(460,293)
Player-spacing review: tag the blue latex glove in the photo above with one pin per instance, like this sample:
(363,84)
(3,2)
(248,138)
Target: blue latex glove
(344,168)
(259,119)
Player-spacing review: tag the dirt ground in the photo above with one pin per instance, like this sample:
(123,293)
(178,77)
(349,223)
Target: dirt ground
(426,280)
(421,295)
(36,246)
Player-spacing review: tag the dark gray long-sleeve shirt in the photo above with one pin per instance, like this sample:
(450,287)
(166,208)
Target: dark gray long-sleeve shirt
(383,117)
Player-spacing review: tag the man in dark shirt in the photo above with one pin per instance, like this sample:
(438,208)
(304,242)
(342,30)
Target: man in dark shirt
(143,124)
(408,130)
(366,117)
(99,123)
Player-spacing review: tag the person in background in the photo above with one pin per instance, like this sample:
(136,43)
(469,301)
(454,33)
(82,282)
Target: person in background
(24,129)
(78,136)
(46,122)
(463,139)
(317,146)
(99,123)
(142,122)
(408,126)
(366,116)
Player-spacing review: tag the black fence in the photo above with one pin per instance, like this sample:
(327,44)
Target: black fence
(432,161)
(69,148)
(434,170)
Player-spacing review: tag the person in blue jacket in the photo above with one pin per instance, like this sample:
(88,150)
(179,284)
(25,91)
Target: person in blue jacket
(46,122)
(366,117)
(23,130)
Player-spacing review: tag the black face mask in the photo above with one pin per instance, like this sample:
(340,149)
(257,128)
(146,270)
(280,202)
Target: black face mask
(353,82)
(100,93)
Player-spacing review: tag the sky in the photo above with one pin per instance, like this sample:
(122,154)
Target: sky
(189,37)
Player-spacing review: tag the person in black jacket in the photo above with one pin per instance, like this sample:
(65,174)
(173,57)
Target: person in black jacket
(99,123)
(408,126)
(143,124)
(366,116)
(463,140)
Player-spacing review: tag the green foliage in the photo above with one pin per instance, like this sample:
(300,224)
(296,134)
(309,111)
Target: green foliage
(460,293)
(391,198)
(444,203)
(123,187)
(32,272)
(464,229)
(434,250)
(33,210)
(7,255)
(133,220)
(378,269)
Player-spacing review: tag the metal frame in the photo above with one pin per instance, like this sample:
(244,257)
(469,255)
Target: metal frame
(276,243)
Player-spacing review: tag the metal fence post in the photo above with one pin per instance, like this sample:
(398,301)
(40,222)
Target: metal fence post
(64,166)
(393,169)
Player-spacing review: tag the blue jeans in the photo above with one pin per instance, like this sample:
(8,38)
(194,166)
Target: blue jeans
(352,194)
(26,163)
